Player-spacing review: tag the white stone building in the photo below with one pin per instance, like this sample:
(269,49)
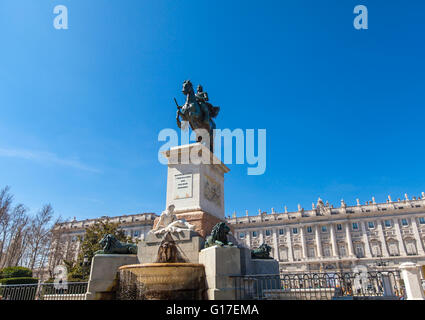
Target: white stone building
(377,235)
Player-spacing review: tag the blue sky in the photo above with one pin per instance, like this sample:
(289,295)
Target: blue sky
(81,108)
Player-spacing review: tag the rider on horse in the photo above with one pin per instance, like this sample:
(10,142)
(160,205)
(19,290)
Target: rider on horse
(202,98)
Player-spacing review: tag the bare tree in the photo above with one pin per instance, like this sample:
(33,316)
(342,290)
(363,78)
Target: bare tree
(24,241)
(17,232)
(39,231)
(5,208)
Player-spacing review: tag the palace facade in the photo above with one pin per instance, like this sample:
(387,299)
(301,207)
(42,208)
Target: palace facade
(376,235)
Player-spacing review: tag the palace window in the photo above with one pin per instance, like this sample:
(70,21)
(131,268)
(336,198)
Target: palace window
(309,229)
(268,232)
(241,235)
(283,252)
(281,231)
(371,225)
(355,226)
(359,250)
(376,249)
(342,251)
(404,222)
(339,227)
(411,248)
(326,251)
(387,223)
(311,252)
(136,233)
(324,229)
(393,247)
(297,253)
(422,220)
(254,234)
(294,230)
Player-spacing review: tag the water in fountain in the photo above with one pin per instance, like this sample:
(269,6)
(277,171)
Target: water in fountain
(169,278)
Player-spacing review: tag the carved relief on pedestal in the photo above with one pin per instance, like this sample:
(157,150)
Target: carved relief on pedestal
(212,192)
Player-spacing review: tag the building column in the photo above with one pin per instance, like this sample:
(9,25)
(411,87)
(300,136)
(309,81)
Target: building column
(410,273)
(368,251)
(261,236)
(303,243)
(382,238)
(399,237)
(275,244)
(318,242)
(289,243)
(349,240)
(419,244)
(333,241)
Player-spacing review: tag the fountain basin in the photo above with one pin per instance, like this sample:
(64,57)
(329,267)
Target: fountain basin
(162,281)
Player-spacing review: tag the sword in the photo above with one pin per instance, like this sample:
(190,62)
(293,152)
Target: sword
(178,107)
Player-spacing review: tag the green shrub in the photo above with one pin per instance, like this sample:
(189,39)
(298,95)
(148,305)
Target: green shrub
(23,280)
(15,272)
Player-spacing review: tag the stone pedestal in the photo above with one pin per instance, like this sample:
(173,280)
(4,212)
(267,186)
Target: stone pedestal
(251,266)
(195,186)
(220,263)
(103,280)
(188,243)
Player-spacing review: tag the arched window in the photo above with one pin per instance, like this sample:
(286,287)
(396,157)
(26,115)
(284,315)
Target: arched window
(342,250)
(411,247)
(358,247)
(376,249)
(283,253)
(326,250)
(297,253)
(393,248)
(311,252)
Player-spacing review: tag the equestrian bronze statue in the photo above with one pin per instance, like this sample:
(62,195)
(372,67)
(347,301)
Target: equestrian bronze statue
(198,112)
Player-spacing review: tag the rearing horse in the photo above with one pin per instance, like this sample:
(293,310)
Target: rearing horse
(197,114)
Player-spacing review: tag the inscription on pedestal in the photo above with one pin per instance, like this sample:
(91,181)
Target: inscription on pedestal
(183,186)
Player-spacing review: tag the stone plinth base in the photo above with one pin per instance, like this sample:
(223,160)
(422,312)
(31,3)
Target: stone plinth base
(188,243)
(220,264)
(251,266)
(264,266)
(104,275)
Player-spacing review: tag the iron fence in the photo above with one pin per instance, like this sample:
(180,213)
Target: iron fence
(44,291)
(321,286)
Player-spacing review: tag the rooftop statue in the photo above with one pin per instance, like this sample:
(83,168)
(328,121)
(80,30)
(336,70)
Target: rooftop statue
(263,252)
(111,245)
(197,111)
(168,222)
